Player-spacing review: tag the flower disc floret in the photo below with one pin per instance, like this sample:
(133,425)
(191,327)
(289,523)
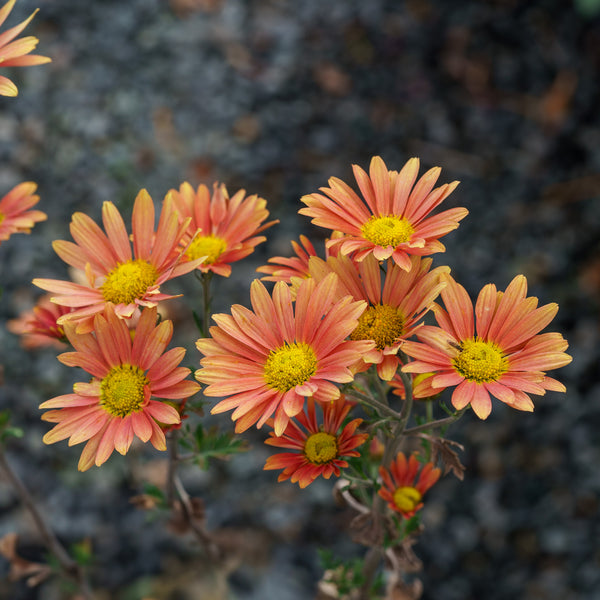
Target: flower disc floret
(321,448)
(129,281)
(290,365)
(211,246)
(480,361)
(407,498)
(122,390)
(382,323)
(386,231)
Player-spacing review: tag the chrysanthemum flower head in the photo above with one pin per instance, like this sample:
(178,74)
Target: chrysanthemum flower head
(315,448)
(401,489)
(393,219)
(16,53)
(500,353)
(395,307)
(269,360)
(38,327)
(222,229)
(127,375)
(15,216)
(294,269)
(114,274)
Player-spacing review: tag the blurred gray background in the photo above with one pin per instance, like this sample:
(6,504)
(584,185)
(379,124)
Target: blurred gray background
(276,97)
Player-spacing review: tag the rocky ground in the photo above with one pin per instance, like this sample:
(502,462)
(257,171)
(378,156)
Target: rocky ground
(276,97)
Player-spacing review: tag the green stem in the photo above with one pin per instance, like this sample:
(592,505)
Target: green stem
(435,424)
(367,400)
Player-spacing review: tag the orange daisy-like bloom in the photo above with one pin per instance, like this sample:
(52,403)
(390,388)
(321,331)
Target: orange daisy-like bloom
(293,270)
(268,361)
(222,229)
(500,355)
(118,402)
(15,216)
(392,221)
(395,308)
(16,53)
(113,274)
(401,489)
(39,327)
(316,449)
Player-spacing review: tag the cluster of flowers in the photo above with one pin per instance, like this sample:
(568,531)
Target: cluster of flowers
(291,361)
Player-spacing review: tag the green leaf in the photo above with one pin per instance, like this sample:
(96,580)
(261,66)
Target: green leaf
(9,432)
(587,8)
(212,444)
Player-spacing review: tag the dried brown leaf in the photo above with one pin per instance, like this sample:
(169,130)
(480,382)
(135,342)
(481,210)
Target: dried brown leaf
(21,568)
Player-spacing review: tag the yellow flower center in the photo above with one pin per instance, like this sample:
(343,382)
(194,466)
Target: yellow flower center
(1,217)
(481,362)
(128,281)
(122,390)
(382,323)
(321,448)
(387,231)
(290,365)
(210,246)
(407,498)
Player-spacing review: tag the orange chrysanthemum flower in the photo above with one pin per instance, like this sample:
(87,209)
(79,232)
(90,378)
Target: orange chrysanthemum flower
(222,229)
(113,274)
(38,327)
(118,402)
(293,270)
(501,355)
(394,222)
(395,308)
(401,489)
(15,216)
(16,53)
(316,449)
(290,269)
(268,361)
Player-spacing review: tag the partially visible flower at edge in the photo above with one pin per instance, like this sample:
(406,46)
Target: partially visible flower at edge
(16,53)
(38,327)
(501,353)
(106,258)
(394,309)
(294,269)
(119,403)
(268,361)
(401,489)
(221,228)
(421,386)
(15,216)
(316,449)
(393,219)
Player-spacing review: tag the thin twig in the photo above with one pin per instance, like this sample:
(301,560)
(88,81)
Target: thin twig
(370,401)
(67,564)
(175,488)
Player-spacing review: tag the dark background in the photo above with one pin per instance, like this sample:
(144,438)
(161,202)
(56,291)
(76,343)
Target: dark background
(276,97)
